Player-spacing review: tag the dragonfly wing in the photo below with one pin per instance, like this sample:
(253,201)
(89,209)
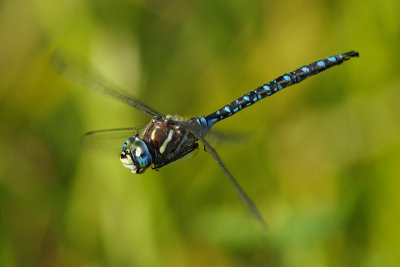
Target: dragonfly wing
(247,200)
(109,140)
(216,136)
(79,75)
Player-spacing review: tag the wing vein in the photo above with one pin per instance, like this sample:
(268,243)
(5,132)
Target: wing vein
(247,200)
(74,72)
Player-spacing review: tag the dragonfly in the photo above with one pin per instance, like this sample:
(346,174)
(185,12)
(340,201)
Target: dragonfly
(168,138)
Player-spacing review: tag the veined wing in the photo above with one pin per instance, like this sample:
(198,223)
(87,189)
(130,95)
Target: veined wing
(224,137)
(77,74)
(109,140)
(247,200)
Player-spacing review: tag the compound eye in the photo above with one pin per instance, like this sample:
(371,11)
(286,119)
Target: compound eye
(142,157)
(135,155)
(138,152)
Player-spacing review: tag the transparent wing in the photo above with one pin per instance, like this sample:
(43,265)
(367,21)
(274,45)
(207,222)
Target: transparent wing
(79,75)
(247,200)
(109,140)
(216,136)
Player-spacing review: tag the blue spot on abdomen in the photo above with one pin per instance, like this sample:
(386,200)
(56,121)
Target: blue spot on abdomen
(331,59)
(305,69)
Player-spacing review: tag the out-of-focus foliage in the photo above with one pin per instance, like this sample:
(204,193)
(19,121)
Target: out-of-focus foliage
(322,160)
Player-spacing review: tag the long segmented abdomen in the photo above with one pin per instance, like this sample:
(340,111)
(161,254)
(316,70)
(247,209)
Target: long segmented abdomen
(276,85)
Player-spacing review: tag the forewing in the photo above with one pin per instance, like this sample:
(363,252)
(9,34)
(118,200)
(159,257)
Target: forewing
(247,200)
(76,73)
(109,140)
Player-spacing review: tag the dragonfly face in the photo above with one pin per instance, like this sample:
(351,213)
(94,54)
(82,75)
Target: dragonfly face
(135,155)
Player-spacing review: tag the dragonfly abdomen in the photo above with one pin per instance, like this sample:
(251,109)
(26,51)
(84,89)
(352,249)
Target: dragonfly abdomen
(276,85)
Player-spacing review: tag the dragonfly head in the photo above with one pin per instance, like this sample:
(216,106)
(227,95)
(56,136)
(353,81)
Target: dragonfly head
(135,155)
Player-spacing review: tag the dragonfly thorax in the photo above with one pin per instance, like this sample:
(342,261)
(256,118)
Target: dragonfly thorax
(135,155)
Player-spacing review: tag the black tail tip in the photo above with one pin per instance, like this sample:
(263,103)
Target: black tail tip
(350,54)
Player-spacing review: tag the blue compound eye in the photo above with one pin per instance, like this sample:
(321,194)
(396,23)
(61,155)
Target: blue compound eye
(135,155)
(123,147)
(141,155)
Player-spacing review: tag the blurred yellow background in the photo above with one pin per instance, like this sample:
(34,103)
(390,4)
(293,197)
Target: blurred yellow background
(322,161)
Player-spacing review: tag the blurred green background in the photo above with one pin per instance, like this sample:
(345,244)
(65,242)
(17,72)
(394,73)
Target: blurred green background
(322,161)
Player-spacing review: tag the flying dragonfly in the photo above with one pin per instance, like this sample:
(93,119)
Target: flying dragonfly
(168,138)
